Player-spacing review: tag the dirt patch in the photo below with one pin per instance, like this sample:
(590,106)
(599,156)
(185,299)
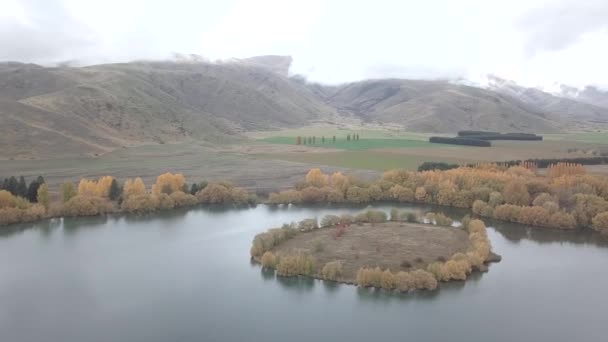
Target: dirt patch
(395,245)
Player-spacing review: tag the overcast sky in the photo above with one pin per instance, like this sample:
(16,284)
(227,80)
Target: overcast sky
(534,42)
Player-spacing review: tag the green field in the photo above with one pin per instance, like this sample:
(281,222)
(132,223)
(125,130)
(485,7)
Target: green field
(358,145)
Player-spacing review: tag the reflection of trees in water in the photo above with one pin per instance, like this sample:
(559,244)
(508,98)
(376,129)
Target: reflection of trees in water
(382,296)
(71,225)
(516,232)
(299,284)
(330,286)
(267,273)
(45,227)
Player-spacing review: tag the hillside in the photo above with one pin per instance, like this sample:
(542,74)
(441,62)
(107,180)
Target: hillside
(63,110)
(435,106)
(50,112)
(577,109)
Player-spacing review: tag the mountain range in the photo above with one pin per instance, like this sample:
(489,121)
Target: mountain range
(48,112)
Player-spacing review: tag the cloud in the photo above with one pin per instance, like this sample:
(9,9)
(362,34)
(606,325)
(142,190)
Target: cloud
(40,31)
(556,27)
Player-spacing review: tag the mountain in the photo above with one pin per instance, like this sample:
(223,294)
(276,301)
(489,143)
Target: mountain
(50,112)
(95,109)
(567,109)
(589,94)
(434,106)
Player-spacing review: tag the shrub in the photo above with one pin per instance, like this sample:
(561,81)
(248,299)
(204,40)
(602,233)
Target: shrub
(330,220)
(332,270)
(395,216)
(371,216)
(356,194)
(346,219)
(286,197)
(87,206)
(402,194)
(423,280)
(600,222)
(387,280)
(562,220)
(409,217)
(481,208)
(140,203)
(68,190)
(268,260)
(312,195)
(442,220)
(495,199)
(265,241)
(308,224)
(293,265)
(182,199)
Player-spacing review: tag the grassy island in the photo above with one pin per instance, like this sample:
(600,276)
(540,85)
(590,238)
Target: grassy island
(370,251)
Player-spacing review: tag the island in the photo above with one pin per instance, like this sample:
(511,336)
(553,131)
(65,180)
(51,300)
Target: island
(369,250)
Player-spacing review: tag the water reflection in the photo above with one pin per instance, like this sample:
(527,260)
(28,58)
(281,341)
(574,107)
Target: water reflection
(297,284)
(517,232)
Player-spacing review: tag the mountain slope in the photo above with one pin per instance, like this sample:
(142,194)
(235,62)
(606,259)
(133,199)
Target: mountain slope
(436,106)
(100,108)
(566,110)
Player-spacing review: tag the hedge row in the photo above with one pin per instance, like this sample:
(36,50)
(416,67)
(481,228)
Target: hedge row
(460,141)
(543,163)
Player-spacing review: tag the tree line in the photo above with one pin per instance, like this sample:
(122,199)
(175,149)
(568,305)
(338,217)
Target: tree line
(457,267)
(106,195)
(565,198)
(312,140)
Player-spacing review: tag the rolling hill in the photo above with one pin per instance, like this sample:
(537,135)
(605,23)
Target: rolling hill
(50,112)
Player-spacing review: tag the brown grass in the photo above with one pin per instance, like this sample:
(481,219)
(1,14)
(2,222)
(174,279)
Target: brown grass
(386,245)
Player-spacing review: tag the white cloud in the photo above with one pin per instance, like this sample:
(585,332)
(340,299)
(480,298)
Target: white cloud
(530,41)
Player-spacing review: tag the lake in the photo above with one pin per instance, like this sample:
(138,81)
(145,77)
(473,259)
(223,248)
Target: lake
(186,275)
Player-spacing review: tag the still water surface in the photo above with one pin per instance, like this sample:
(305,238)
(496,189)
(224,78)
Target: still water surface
(186,276)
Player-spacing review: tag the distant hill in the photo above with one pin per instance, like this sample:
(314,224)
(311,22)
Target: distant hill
(49,112)
(567,108)
(435,106)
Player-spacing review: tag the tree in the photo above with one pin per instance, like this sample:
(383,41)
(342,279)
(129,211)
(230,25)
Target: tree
(67,191)
(600,222)
(43,196)
(115,190)
(316,177)
(168,183)
(21,188)
(134,188)
(32,191)
(334,139)
(348,137)
(12,185)
(323,139)
(314,140)
(516,192)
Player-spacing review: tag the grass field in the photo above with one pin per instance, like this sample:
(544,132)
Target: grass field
(369,160)
(363,144)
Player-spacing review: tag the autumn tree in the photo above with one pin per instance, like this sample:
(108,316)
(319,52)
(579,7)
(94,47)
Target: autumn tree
(316,177)
(68,190)
(168,183)
(43,196)
(516,192)
(134,187)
